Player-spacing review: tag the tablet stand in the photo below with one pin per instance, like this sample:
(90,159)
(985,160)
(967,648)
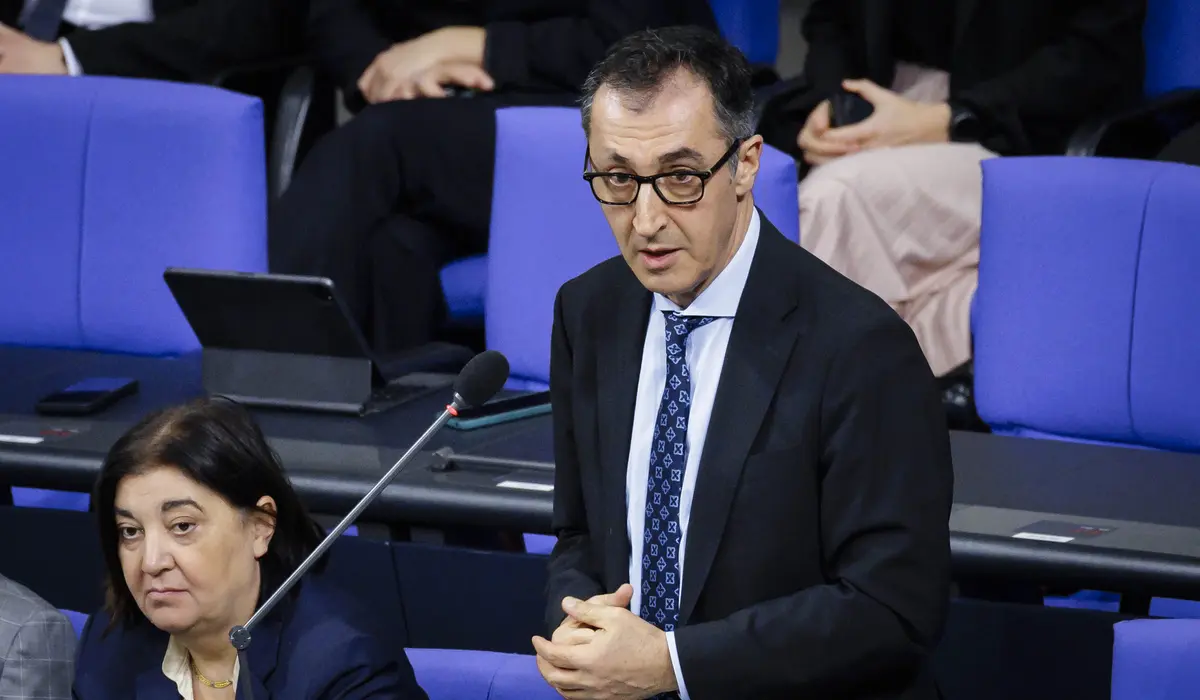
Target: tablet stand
(285,380)
(346,385)
(289,341)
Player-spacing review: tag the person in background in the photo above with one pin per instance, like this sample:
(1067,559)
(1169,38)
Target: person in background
(199,526)
(37,646)
(184,40)
(383,202)
(753,481)
(893,201)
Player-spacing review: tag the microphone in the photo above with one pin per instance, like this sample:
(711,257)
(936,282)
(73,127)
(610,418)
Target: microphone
(478,381)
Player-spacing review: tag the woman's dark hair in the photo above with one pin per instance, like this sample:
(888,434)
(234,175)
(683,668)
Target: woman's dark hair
(218,444)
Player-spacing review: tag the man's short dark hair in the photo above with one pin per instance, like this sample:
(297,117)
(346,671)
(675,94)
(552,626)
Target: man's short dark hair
(641,64)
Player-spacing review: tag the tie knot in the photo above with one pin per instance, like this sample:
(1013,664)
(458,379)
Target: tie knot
(679,327)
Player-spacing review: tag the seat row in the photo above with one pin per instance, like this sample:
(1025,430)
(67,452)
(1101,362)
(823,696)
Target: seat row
(1152,660)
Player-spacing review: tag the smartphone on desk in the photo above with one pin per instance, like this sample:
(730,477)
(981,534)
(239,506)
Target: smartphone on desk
(501,411)
(87,397)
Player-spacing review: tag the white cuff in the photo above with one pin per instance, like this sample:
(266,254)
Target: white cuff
(683,694)
(73,67)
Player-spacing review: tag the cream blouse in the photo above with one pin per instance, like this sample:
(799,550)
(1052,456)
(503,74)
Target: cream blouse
(177,667)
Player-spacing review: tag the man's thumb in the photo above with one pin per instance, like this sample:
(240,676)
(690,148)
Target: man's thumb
(619,598)
(866,89)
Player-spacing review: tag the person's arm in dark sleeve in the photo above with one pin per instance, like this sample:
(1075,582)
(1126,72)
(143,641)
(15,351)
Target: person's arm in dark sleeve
(556,55)
(193,44)
(885,506)
(827,62)
(826,65)
(1065,82)
(571,563)
(343,38)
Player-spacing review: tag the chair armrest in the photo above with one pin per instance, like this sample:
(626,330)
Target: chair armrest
(281,66)
(1140,132)
(296,106)
(291,118)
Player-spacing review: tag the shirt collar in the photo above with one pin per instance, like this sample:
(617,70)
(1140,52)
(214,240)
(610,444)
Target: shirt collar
(176,666)
(720,299)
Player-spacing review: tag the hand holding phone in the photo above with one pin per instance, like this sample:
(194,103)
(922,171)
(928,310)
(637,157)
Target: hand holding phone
(848,108)
(87,397)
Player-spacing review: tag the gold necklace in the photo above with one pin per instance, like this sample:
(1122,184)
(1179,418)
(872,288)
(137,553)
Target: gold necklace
(200,677)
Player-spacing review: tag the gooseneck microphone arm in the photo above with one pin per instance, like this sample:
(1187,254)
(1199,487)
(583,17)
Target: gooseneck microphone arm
(243,631)
(479,381)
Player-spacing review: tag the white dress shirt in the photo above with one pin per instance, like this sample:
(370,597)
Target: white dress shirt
(705,357)
(98,14)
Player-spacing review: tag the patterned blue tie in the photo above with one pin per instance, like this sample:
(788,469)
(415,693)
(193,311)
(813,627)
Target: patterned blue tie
(661,542)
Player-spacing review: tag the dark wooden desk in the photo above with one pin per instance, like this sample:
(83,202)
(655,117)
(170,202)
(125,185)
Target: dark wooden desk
(1120,519)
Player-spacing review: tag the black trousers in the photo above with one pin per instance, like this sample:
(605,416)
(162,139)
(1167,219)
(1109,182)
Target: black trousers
(384,202)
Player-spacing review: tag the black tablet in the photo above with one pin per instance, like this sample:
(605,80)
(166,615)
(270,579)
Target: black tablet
(266,312)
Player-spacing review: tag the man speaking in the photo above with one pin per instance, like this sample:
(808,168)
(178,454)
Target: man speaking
(753,477)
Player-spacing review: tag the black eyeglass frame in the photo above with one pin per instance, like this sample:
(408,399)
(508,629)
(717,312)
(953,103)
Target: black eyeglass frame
(652,180)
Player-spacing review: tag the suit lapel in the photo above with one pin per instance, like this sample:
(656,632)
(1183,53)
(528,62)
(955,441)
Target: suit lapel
(618,371)
(759,346)
(262,658)
(263,653)
(153,685)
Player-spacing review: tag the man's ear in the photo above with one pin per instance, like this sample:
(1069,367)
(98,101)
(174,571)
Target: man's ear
(748,156)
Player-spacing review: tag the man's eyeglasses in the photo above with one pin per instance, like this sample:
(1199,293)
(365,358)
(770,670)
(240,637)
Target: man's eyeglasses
(673,187)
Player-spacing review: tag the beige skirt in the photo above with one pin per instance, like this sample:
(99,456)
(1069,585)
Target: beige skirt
(904,223)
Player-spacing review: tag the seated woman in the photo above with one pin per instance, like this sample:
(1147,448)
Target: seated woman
(199,525)
(895,201)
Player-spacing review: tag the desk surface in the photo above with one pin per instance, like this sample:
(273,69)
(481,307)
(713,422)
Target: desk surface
(1054,512)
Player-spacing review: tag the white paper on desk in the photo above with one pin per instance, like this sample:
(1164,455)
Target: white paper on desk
(22,439)
(1042,538)
(526,486)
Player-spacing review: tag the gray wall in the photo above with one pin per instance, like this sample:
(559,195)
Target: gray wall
(791,44)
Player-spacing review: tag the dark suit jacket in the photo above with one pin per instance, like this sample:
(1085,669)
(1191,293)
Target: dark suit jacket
(193,40)
(190,40)
(532,46)
(1034,70)
(313,647)
(818,556)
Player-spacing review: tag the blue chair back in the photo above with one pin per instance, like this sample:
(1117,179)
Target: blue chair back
(106,182)
(78,620)
(750,25)
(49,498)
(547,229)
(1172,46)
(1156,660)
(1087,295)
(456,674)
(464,285)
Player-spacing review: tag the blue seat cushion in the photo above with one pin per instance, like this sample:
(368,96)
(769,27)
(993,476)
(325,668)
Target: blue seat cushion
(464,283)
